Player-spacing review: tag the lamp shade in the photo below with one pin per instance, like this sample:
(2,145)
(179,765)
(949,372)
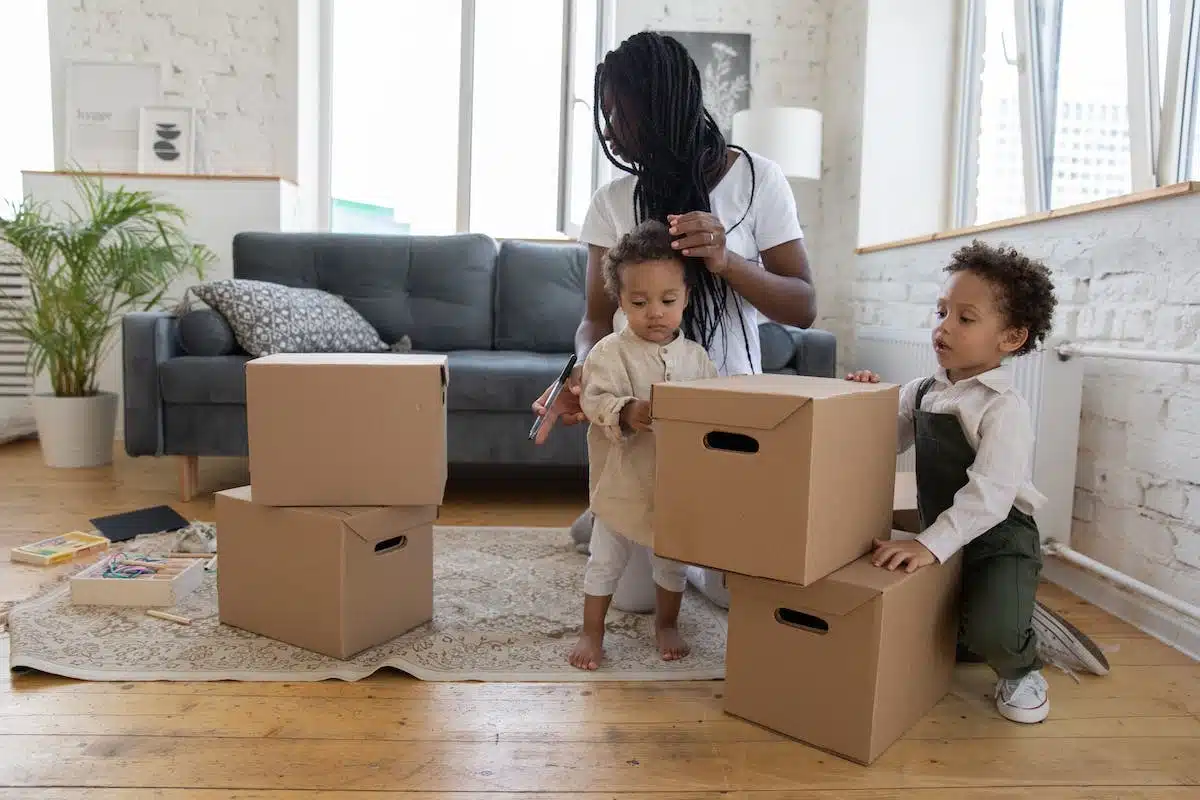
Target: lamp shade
(791,137)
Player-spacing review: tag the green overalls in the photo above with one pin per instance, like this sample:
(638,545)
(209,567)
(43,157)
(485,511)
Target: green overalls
(1000,569)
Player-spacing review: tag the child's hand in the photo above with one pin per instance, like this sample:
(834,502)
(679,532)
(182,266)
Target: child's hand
(863,376)
(636,415)
(907,553)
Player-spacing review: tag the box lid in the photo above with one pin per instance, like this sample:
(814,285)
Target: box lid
(761,402)
(846,590)
(375,524)
(350,360)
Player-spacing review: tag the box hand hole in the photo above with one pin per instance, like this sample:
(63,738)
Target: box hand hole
(731,442)
(388,545)
(798,619)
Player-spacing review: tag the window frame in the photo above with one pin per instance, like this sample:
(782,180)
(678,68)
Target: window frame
(1162,146)
(605,10)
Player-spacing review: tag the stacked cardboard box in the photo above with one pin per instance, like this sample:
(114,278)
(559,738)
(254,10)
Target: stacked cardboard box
(330,548)
(783,483)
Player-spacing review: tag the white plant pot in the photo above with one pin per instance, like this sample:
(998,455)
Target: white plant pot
(76,431)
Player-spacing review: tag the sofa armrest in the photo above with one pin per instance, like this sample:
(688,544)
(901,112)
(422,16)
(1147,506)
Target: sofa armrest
(148,339)
(816,352)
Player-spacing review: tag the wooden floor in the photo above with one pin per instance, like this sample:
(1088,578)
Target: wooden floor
(1133,734)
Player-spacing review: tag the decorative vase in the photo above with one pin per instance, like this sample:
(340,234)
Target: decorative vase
(76,431)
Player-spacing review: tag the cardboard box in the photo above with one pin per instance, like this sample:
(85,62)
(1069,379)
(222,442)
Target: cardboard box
(848,664)
(355,429)
(773,476)
(905,516)
(332,580)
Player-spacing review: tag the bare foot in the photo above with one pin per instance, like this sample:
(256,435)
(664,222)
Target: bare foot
(588,652)
(672,646)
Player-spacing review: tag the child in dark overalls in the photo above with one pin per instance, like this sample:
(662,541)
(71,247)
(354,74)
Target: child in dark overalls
(974,444)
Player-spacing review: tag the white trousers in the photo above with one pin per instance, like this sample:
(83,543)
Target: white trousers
(613,557)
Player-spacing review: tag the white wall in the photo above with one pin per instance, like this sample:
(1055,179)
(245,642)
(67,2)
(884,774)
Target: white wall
(907,118)
(808,53)
(1124,276)
(235,61)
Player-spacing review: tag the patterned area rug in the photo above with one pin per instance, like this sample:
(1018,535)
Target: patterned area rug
(507,606)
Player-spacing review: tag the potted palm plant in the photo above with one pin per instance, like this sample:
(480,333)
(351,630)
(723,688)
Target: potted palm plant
(84,269)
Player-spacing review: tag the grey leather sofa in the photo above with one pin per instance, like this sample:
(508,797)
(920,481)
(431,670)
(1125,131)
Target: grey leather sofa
(504,314)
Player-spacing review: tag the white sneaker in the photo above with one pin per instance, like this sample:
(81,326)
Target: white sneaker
(1025,700)
(1062,645)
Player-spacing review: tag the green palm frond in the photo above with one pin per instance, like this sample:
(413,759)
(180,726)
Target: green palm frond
(87,268)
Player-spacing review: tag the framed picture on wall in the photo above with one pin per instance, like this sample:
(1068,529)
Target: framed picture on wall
(167,140)
(724,63)
(101,112)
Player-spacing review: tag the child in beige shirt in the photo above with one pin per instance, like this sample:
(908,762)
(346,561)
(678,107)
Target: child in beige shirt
(647,277)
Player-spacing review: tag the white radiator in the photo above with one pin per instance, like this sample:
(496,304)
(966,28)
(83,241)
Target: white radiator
(1051,385)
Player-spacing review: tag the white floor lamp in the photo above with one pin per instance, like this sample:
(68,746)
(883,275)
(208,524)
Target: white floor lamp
(789,136)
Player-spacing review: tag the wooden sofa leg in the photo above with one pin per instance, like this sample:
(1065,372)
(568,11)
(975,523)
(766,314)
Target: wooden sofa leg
(189,477)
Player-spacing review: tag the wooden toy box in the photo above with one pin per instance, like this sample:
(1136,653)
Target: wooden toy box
(178,578)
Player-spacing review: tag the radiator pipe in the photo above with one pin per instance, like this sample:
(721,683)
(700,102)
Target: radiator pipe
(1059,550)
(1070,350)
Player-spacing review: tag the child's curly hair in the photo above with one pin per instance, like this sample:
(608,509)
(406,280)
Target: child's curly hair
(1024,290)
(649,241)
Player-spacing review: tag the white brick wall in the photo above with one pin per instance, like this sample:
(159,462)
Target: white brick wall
(233,60)
(807,53)
(1127,276)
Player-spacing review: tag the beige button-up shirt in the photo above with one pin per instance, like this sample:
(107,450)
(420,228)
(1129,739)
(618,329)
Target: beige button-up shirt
(619,369)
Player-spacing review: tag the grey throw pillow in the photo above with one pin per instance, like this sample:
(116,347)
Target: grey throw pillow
(272,318)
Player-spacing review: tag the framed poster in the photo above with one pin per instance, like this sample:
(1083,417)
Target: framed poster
(166,140)
(724,63)
(103,107)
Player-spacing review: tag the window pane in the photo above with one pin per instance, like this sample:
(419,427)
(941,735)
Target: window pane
(1000,180)
(1163,9)
(1091,131)
(395,115)
(25,60)
(583,136)
(517,112)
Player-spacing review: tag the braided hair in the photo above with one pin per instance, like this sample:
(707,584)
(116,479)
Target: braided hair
(675,150)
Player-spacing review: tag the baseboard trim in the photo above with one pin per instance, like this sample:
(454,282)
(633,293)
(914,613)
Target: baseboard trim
(1170,628)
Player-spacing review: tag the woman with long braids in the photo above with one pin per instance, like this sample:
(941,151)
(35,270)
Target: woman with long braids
(730,212)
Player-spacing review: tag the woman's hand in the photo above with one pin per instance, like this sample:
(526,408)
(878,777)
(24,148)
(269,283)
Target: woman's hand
(700,235)
(863,376)
(907,553)
(566,405)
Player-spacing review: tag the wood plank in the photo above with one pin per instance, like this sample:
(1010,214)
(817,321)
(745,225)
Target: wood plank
(1042,793)
(622,717)
(1134,198)
(116,761)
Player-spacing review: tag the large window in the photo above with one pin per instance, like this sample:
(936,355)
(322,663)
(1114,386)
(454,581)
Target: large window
(28,134)
(1070,101)
(1091,158)
(462,115)
(1000,181)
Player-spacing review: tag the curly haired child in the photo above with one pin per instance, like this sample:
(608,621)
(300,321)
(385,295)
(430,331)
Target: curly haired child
(648,278)
(973,434)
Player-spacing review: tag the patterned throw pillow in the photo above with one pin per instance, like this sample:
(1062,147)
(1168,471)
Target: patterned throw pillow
(272,318)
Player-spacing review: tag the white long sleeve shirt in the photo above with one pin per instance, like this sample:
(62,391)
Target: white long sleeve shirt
(997,423)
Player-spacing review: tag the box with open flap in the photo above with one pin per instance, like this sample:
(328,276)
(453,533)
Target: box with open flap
(773,476)
(347,429)
(847,664)
(332,580)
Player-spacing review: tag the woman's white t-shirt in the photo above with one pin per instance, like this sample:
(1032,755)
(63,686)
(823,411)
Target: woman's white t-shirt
(770,221)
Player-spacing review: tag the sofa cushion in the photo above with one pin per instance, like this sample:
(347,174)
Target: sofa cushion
(540,296)
(204,332)
(436,289)
(219,380)
(271,318)
(497,380)
(778,349)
